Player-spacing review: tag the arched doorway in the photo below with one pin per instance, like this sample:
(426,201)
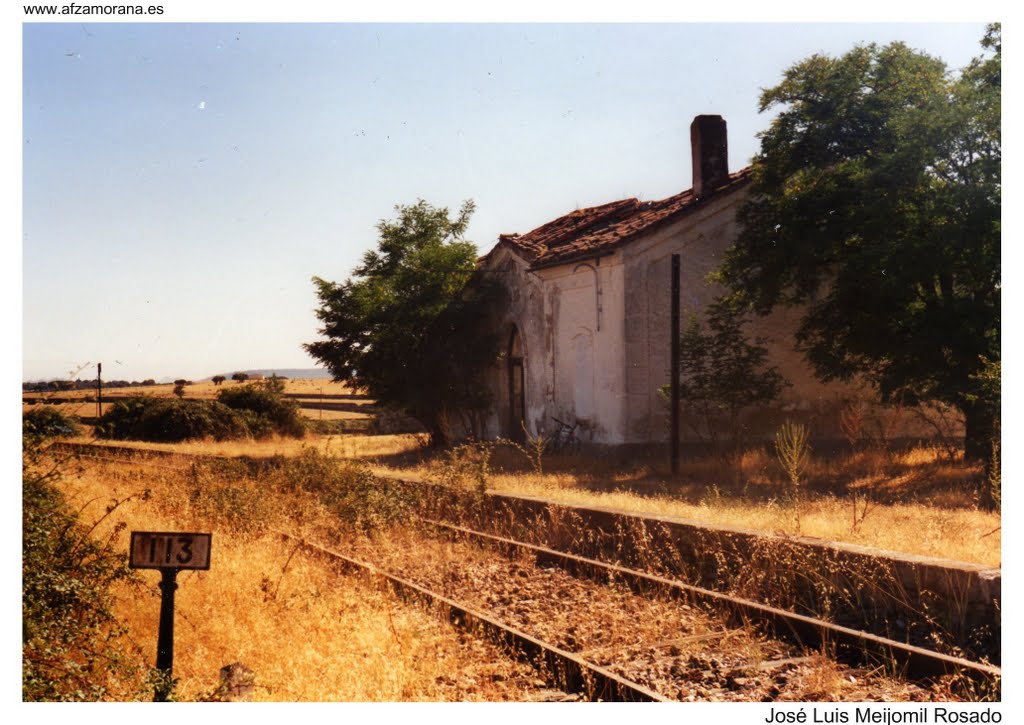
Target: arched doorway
(516,388)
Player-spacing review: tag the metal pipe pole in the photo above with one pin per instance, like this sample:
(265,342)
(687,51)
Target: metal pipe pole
(674,434)
(165,639)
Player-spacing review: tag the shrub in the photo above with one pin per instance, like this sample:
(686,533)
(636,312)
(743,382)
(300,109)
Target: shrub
(48,423)
(793,454)
(168,420)
(264,409)
(71,642)
(228,497)
(468,466)
(359,499)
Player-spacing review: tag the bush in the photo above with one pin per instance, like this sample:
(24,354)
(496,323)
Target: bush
(349,489)
(71,642)
(222,492)
(48,423)
(264,409)
(169,421)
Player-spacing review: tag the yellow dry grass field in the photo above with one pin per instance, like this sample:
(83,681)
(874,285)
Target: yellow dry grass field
(84,401)
(308,633)
(914,503)
(338,445)
(204,390)
(962,535)
(317,414)
(917,503)
(86,408)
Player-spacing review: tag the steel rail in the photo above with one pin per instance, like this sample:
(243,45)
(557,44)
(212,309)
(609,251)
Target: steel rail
(914,662)
(571,672)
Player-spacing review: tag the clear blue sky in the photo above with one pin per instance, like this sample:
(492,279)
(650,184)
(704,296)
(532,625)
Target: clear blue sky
(183,182)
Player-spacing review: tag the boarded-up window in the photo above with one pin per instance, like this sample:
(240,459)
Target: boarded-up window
(583,375)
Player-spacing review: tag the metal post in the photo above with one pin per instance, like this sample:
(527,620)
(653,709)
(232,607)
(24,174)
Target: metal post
(99,390)
(674,385)
(165,639)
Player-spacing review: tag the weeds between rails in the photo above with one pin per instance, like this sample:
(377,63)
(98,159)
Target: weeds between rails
(778,573)
(845,644)
(863,592)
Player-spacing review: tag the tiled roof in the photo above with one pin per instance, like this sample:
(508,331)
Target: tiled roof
(586,232)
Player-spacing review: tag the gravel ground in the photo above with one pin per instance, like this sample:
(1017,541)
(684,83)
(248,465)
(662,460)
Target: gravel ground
(680,652)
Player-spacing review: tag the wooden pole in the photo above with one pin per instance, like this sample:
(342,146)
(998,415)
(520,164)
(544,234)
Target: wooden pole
(674,433)
(99,390)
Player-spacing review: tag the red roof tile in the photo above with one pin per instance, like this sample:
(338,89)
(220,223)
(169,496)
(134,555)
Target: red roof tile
(591,231)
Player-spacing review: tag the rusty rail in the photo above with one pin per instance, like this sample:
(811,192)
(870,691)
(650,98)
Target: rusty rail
(915,662)
(569,671)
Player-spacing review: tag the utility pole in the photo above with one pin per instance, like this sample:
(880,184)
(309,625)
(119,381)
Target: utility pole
(99,390)
(674,385)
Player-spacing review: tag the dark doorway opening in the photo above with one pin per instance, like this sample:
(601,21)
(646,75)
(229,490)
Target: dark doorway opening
(516,389)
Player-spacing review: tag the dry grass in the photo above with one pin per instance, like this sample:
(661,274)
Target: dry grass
(964,535)
(309,633)
(334,414)
(341,446)
(913,502)
(202,390)
(85,408)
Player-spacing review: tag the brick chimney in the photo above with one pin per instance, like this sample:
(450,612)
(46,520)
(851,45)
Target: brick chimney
(710,148)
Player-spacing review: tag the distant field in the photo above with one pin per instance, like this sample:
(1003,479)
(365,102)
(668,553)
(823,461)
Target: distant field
(85,408)
(306,388)
(84,404)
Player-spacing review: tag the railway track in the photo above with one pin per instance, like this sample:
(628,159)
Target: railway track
(851,645)
(571,673)
(603,640)
(574,672)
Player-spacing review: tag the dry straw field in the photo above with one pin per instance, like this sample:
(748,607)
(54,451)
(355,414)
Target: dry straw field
(911,501)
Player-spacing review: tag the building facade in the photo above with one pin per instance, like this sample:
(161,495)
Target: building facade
(586,327)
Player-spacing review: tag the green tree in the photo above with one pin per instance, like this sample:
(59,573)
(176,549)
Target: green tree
(240,377)
(410,324)
(875,203)
(722,372)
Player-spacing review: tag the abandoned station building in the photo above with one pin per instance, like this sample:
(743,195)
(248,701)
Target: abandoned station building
(586,327)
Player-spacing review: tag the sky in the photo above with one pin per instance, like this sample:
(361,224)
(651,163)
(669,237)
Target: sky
(183,182)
